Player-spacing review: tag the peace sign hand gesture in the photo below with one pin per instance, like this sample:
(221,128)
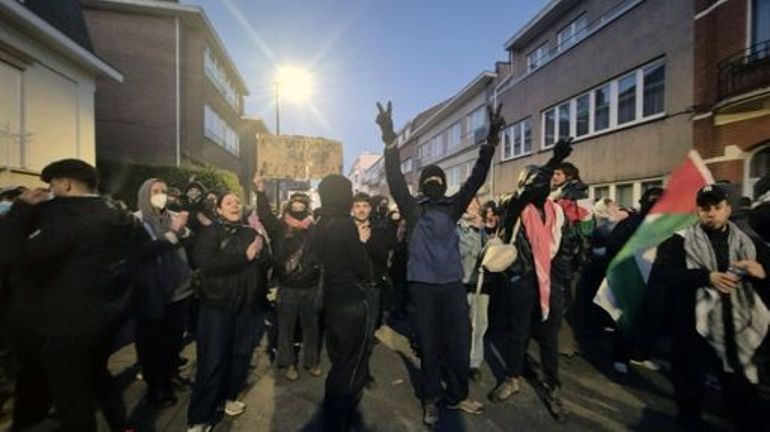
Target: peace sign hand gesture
(496,124)
(385,121)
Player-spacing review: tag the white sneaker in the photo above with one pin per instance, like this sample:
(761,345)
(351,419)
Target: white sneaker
(620,367)
(234,407)
(647,364)
(199,428)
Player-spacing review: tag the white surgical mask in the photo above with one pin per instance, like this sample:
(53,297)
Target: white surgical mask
(159,201)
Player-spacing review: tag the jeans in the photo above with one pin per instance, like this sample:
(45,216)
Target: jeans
(225,345)
(297,304)
(480,306)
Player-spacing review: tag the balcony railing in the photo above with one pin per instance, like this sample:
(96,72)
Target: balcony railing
(744,71)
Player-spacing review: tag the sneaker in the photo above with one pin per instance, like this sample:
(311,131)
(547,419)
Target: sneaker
(199,428)
(508,388)
(315,371)
(430,413)
(475,374)
(620,367)
(292,374)
(468,406)
(647,364)
(552,398)
(234,407)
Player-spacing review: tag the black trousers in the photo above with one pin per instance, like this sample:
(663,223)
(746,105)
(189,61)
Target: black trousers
(158,343)
(70,373)
(295,304)
(527,323)
(444,334)
(691,358)
(348,321)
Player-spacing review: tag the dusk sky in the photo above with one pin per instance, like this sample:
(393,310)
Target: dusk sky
(415,53)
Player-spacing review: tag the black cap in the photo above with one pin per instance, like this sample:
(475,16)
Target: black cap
(711,195)
(72,169)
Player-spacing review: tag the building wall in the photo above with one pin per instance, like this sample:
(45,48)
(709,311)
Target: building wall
(721,32)
(136,119)
(48,101)
(199,91)
(654,29)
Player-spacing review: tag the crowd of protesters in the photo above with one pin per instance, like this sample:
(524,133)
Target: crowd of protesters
(190,263)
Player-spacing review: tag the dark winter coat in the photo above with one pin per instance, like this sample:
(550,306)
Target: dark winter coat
(228,279)
(69,261)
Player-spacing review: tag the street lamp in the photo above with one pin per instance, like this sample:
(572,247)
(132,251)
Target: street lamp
(295,85)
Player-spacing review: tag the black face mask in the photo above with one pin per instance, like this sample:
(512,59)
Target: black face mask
(433,189)
(300,215)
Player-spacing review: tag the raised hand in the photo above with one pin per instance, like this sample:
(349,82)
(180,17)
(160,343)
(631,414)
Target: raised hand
(385,121)
(562,149)
(258,182)
(496,124)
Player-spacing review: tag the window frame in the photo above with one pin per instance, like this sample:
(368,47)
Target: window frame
(519,128)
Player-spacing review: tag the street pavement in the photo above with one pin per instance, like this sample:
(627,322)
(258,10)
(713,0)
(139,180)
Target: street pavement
(596,399)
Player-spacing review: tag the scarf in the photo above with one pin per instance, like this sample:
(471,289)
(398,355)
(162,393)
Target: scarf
(750,315)
(292,222)
(544,239)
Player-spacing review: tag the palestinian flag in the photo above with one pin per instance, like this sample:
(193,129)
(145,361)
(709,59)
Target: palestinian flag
(622,290)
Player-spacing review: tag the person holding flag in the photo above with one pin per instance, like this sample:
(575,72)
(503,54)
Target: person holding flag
(717,294)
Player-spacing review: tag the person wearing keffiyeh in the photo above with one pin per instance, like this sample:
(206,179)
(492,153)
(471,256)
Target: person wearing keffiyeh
(718,295)
(537,280)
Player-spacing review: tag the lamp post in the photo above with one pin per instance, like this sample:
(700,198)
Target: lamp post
(277,108)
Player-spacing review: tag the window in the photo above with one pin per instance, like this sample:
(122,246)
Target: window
(455,135)
(572,33)
(758,168)
(640,96)
(624,195)
(11,134)
(602,108)
(647,185)
(477,120)
(517,139)
(564,120)
(601,192)
(654,89)
(549,122)
(538,57)
(426,151)
(760,21)
(216,129)
(454,178)
(627,99)
(527,131)
(218,77)
(582,107)
(406,166)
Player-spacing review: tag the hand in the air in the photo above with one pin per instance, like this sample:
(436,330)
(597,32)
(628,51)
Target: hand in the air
(385,121)
(496,124)
(562,149)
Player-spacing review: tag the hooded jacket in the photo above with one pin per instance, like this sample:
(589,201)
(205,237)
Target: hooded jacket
(434,255)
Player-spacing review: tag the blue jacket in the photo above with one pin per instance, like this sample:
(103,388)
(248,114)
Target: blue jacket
(434,254)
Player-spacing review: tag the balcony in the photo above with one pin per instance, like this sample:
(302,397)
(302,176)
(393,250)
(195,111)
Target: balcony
(745,71)
(744,85)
